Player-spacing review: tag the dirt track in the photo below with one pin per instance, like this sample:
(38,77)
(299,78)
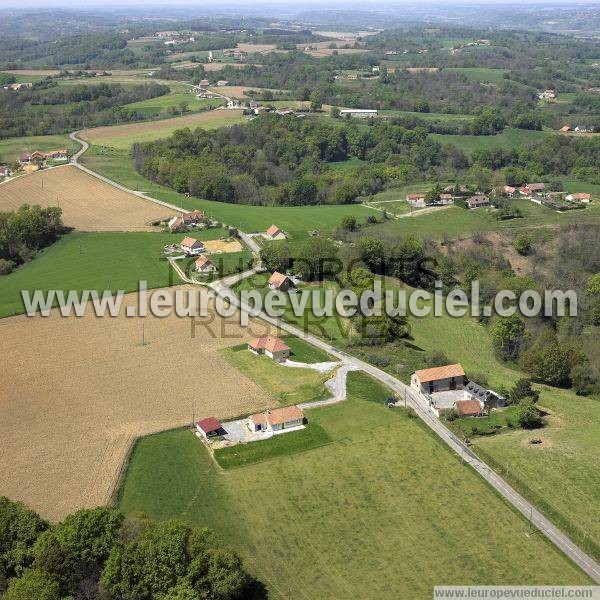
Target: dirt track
(87,203)
(75,393)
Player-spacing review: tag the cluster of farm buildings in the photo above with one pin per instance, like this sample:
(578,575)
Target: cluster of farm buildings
(35,160)
(447,388)
(536,192)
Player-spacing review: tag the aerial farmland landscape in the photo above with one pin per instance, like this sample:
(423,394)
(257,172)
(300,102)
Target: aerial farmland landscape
(299,301)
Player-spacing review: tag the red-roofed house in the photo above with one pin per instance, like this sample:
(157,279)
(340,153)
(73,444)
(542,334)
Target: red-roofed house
(280,282)
(57,155)
(191,246)
(509,190)
(192,218)
(439,379)
(175,224)
(274,233)
(580,197)
(4,172)
(271,346)
(276,419)
(446,199)
(416,200)
(205,265)
(210,427)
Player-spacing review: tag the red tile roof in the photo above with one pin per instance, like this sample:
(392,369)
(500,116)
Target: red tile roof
(268,342)
(283,415)
(273,230)
(190,242)
(209,424)
(437,373)
(468,407)
(277,279)
(204,261)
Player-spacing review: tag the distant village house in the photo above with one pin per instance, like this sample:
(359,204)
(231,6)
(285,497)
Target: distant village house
(191,246)
(280,282)
(276,419)
(270,346)
(439,379)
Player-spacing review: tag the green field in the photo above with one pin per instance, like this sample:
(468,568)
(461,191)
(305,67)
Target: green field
(288,385)
(460,222)
(162,105)
(12,148)
(508,139)
(297,221)
(480,73)
(383,496)
(426,116)
(95,261)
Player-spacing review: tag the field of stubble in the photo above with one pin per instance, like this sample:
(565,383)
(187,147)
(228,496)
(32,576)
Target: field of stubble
(76,393)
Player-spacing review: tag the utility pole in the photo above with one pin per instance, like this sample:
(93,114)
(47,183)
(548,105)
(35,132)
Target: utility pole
(143,337)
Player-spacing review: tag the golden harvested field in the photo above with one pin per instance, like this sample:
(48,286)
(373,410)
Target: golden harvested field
(236,91)
(219,66)
(329,51)
(223,246)
(88,204)
(76,392)
(123,136)
(262,48)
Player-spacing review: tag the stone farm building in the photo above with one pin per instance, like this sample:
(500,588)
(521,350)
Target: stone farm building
(280,282)
(205,265)
(276,419)
(439,379)
(487,398)
(271,346)
(191,246)
(580,197)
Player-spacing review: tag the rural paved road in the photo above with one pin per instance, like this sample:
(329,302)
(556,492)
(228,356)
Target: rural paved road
(538,521)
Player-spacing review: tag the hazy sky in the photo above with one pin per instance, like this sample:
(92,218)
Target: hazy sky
(255,4)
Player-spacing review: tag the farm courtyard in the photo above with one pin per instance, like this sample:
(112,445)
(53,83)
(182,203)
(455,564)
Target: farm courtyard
(67,422)
(87,203)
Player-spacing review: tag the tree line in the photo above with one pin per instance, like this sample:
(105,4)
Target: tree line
(25,232)
(100,554)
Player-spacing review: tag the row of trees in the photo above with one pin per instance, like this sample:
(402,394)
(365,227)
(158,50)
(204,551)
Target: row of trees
(98,554)
(25,232)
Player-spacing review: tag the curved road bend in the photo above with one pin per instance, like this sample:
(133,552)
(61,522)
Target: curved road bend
(538,521)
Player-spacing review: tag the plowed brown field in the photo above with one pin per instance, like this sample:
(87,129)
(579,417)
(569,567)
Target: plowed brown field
(87,203)
(76,392)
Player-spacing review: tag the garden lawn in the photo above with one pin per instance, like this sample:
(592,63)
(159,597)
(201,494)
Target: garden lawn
(287,384)
(95,261)
(384,497)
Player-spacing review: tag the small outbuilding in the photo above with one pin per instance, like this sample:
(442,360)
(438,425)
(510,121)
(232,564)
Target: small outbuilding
(210,427)
(469,408)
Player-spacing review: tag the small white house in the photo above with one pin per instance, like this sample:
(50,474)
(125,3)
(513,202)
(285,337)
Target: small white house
(416,200)
(205,265)
(191,246)
(276,419)
(270,346)
(580,197)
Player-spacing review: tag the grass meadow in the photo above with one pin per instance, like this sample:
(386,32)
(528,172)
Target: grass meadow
(162,105)
(287,385)
(340,515)
(96,261)
(508,139)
